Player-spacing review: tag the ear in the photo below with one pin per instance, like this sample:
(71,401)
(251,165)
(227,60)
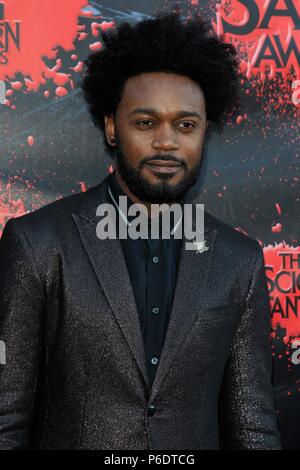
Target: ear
(207,124)
(110,130)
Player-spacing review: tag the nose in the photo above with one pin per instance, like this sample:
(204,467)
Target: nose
(165,138)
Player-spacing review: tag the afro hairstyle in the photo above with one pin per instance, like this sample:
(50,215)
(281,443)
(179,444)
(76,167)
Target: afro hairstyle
(163,43)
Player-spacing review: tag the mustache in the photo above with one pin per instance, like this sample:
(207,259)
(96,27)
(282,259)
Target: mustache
(163,158)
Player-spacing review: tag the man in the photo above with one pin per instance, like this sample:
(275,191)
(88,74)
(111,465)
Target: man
(138,343)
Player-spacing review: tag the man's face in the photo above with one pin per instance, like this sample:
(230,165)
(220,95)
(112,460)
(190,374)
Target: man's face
(159,127)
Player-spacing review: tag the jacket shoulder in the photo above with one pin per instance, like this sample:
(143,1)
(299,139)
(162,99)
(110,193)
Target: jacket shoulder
(233,240)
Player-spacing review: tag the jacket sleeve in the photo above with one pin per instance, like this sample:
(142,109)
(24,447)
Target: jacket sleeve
(246,403)
(21,323)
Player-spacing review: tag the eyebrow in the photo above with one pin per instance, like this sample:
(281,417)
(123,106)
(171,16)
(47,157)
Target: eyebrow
(153,111)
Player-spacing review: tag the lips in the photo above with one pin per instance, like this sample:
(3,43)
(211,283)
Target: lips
(170,163)
(164,166)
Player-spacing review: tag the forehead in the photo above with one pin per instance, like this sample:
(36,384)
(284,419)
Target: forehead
(163,91)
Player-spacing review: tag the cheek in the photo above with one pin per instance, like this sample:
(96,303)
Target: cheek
(135,145)
(192,150)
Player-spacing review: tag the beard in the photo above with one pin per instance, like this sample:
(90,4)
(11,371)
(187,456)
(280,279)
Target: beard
(160,192)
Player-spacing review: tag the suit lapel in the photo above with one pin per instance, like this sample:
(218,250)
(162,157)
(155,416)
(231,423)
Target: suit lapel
(110,267)
(190,293)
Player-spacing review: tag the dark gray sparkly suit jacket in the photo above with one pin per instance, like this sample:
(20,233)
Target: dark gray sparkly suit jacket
(72,363)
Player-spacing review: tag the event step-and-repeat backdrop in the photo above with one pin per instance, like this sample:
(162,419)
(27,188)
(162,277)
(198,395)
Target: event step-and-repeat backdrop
(250,174)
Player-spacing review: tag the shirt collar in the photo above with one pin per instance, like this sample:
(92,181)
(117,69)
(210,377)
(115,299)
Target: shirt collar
(114,191)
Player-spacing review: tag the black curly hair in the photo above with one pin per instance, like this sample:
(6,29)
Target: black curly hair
(162,43)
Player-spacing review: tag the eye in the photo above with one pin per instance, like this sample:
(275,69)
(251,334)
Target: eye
(187,124)
(144,123)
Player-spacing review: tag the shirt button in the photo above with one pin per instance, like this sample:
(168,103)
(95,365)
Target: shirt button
(155,259)
(154,360)
(155,310)
(151,410)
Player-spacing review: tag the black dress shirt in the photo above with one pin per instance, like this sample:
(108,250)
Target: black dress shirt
(152,266)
